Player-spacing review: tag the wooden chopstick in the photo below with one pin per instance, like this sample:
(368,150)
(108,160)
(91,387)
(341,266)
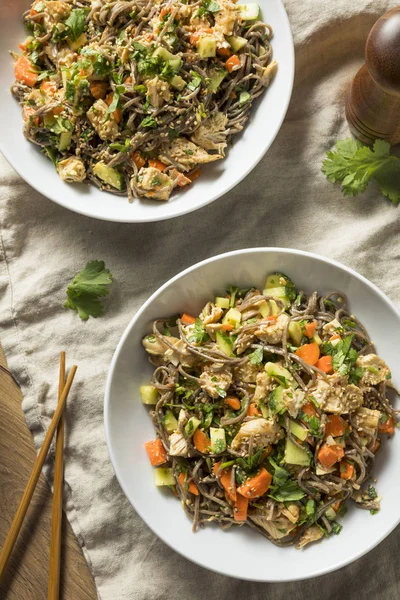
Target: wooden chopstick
(26,498)
(56,515)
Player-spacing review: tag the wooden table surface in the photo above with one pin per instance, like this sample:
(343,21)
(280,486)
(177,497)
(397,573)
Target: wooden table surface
(27,572)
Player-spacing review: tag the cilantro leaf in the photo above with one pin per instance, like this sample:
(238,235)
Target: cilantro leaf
(149,123)
(198,333)
(86,289)
(288,492)
(195,82)
(251,463)
(207,7)
(354,165)
(281,475)
(232,291)
(76,23)
(256,357)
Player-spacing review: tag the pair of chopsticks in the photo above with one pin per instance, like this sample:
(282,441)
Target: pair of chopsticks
(57,422)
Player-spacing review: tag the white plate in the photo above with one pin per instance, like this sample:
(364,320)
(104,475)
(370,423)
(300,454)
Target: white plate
(242,552)
(217,178)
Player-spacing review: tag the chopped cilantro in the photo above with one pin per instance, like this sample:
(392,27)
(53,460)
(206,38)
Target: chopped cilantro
(148,123)
(256,357)
(198,334)
(221,392)
(76,23)
(372,493)
(87,288)
(195,82)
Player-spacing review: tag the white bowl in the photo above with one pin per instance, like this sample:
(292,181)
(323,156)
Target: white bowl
(217,178)
(242,552)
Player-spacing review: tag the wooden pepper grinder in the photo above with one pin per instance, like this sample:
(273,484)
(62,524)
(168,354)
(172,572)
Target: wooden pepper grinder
(373,100)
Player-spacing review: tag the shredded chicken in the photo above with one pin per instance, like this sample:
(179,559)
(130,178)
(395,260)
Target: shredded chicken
(262,431)
(293,400)
(312,534)
(375,369)
(335,395)
(97,115)
(208,134)
(158,92)
(213,380)
(272,333)
(265,385)
(367,420)
(187,154)
(71,169)
(154,183)
(247,372)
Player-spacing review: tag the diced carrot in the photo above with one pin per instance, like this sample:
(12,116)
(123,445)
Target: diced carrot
(233,403)
(309,353)
(117,115)
(98,89)
(192,487)
(233,63)
(253,410)
(335,336)
(335,426)
(376,446)
(240,508)
(309,410)
(165,11)
(57,110)
(49,87)
(346,470)
(336,506)
(157,164)
(227,327)
(180,179)
(24,45)
(256,486)
(156,452)
(387,426)
(148,37)
(329,455)
(201,441)
(194,175)
(128,79)
(138,159)
(309,329)
(225,477)
(224,52)
(32,11)
(27,112)
(185,318)
(25,72)
(325,364)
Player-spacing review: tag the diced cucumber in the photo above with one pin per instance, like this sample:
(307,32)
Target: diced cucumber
(236,42)
(222,302)
(163,476)
(295,455)
(249,12)
(65,140)
(173,60)
(218,441)
(109,175)
(330,513)
(207,47)
(232,317)
(224,343)
(216,76)
(275,401)
(264,409)
(279,293)
(269,309)
(295,332)
(192,425)
(49,121)
(317,339)
(170,422)
(177,82)
(276,280)
(298,430)
(319,470)
(149,394)
(79,42)
(281,375)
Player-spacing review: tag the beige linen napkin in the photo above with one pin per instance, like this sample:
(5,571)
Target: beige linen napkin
(285,201)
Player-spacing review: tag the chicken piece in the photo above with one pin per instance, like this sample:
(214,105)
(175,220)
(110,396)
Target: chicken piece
(212,313)
(158,92)
(97,115)
(291,512)
(210,134)
(367,420)
(71,169)
(57,10)
(375,369)
(263,431)
(187,154)
(226,17)
(178,444)
(268,73)
(272,333)
(157,347)
(211,379)
(335,395)
(265,385)
(247,372)
(154,184)
(293,400)
(312,534)
(331,327)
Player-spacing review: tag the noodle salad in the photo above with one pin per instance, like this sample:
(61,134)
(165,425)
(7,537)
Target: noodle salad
(134,96)
(269,408)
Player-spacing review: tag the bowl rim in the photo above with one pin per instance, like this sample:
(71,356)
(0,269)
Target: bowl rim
(129,328)
(184,207)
